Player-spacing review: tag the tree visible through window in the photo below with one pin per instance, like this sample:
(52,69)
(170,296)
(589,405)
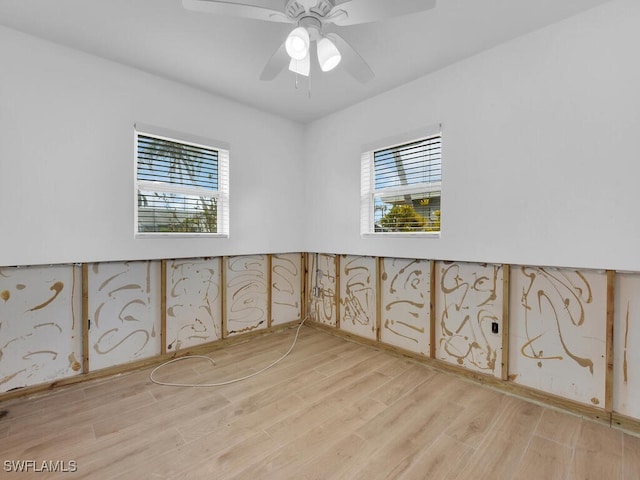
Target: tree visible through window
(401,187)
(180,186)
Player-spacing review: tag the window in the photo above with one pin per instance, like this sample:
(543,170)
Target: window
(401,187)
(182,184)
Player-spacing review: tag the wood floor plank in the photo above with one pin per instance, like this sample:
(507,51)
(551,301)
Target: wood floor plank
(47,445)
(631,457)
(324,408)
(285,461)
(84,411)
(331,464)
(598,452)
(395,419)
(34,405)
(473,423)
(346,355)
(502,448)
(353,370)
(394,368)
(120,458)
(593,436)
(558,426)
(396,453)
(402,384)
(545,459)
(442,460)
(231,459)
(595,465)
(172,411)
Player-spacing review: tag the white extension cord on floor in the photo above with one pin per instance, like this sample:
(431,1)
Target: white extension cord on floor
(219,384)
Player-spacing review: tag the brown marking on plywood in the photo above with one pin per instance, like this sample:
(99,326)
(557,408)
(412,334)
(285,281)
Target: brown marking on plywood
(358,292)
(99,350)
(57,288)
(572,291)
(473,346)
(41,352)
(73,362)
(8,378)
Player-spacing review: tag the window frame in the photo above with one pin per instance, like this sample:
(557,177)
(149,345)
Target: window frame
(221,194)
(368,192)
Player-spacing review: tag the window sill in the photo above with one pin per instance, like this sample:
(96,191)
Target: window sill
(401,235)
(180,235)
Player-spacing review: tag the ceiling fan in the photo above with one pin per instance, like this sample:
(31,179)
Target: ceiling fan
(310,18)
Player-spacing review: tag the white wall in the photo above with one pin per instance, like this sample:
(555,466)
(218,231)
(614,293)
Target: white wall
(67,156)
(541,151)
(540,155)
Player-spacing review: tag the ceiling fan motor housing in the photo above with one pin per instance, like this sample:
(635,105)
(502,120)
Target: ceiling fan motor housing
(296,9)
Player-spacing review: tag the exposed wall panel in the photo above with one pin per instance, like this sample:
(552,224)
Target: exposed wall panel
(468,302)
(558,330)
(286,288)
(626,380)
(246,293)
(194,302)
(322,281)
(124,310)
(358,278)
(40,325)
(405,298)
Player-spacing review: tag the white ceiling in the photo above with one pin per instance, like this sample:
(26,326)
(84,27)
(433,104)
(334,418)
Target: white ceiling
(225,55)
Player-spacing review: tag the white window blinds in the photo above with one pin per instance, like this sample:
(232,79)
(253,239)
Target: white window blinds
(401,187)
(182,187)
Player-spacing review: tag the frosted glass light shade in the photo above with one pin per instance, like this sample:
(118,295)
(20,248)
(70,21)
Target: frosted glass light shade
(297,43)
(301,67)
(328,54)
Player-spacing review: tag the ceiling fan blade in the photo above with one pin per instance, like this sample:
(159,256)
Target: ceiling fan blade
(351,61)
(276,64)
(269,10)
(353,12)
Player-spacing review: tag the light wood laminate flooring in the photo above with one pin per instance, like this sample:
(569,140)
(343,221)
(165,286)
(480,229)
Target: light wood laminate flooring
(332,410)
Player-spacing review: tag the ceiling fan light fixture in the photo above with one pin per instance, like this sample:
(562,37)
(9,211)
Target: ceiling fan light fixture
(328,54)
(301,67)
(297,43)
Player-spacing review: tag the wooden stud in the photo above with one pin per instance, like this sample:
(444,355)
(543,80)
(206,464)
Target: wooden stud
(309,276)
(379,274)
(303,286)
(432,309)
(163,307)
(85,318)
(506,277)
(223,298)
(269,289)
(611,291)
(337,292)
